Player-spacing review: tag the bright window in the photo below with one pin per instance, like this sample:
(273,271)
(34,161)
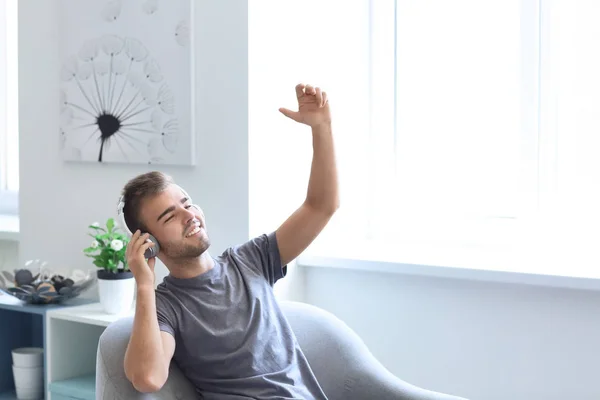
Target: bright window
(9,117)
(454,118)
(461,122)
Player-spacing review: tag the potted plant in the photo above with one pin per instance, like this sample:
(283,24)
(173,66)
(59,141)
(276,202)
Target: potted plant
(116,284)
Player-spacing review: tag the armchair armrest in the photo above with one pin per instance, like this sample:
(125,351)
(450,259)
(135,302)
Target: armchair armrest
(342,363)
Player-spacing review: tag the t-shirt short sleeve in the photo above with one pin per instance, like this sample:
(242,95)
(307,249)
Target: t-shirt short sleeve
(165,316)
(262,254)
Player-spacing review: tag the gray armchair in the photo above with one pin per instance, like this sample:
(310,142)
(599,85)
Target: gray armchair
(340,360)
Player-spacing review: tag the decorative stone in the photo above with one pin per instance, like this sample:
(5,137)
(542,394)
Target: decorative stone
(23,277)
(45,287)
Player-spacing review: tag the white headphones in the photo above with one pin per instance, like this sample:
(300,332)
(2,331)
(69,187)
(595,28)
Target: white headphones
(151,251)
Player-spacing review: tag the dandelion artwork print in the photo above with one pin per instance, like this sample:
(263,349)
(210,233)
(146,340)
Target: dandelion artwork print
(126,82)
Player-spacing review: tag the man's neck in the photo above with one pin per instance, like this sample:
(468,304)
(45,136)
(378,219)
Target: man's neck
(192,267)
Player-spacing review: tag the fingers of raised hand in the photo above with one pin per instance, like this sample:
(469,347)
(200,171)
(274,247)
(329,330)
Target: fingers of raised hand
(311,93)
(300,90)
(319,96)
(310,90)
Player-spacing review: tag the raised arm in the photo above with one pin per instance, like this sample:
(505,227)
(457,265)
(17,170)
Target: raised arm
(322,198)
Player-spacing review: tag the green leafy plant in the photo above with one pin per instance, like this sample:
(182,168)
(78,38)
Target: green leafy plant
(108,248)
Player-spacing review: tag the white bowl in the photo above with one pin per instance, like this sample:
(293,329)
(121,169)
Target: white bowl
(30,393)
(28,357)
(28,378)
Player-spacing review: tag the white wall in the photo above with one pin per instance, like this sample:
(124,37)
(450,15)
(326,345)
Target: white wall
(484,341)
(58,200)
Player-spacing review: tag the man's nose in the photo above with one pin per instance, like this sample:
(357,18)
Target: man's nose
(189,214)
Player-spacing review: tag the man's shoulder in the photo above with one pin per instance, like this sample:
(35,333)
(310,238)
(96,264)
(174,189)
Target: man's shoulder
(165,297)
(251,248)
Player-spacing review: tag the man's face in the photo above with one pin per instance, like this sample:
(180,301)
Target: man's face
(176,224)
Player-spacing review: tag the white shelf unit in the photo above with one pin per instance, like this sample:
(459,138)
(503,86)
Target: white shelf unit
(72,336)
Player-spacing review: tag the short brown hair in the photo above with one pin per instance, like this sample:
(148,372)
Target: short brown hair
(137,190)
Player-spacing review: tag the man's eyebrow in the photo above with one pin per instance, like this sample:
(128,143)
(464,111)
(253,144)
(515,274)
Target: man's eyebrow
(171,209)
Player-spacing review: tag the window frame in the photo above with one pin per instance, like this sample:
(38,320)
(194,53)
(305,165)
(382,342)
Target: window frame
(536,148)
(9,204)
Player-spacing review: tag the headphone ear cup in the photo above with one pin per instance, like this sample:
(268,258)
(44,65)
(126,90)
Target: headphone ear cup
(152,251)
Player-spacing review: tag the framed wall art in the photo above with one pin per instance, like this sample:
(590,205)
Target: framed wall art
(126,81)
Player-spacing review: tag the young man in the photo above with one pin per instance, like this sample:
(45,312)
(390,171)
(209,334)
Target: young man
(217,317)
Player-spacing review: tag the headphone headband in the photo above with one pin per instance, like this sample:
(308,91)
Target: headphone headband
(121,215)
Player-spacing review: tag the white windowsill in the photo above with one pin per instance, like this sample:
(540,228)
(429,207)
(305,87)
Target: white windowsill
(9,228)
(550,266)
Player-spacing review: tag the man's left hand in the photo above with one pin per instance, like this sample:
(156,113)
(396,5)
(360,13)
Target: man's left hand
(313,107)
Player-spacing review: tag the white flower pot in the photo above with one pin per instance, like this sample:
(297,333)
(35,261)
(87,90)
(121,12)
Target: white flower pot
(28,357)
(116,291)
(29,378)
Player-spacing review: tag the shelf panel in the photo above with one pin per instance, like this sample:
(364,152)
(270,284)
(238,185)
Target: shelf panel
(12,395)
(9,396)
(17,330)
(43,309)
(81,387)
(91,314)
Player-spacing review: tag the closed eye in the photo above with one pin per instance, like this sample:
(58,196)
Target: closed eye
(172,216)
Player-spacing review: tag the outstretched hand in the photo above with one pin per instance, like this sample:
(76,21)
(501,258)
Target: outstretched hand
(313,107)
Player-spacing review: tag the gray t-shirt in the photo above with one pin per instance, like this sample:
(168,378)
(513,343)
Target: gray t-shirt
(232,340)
